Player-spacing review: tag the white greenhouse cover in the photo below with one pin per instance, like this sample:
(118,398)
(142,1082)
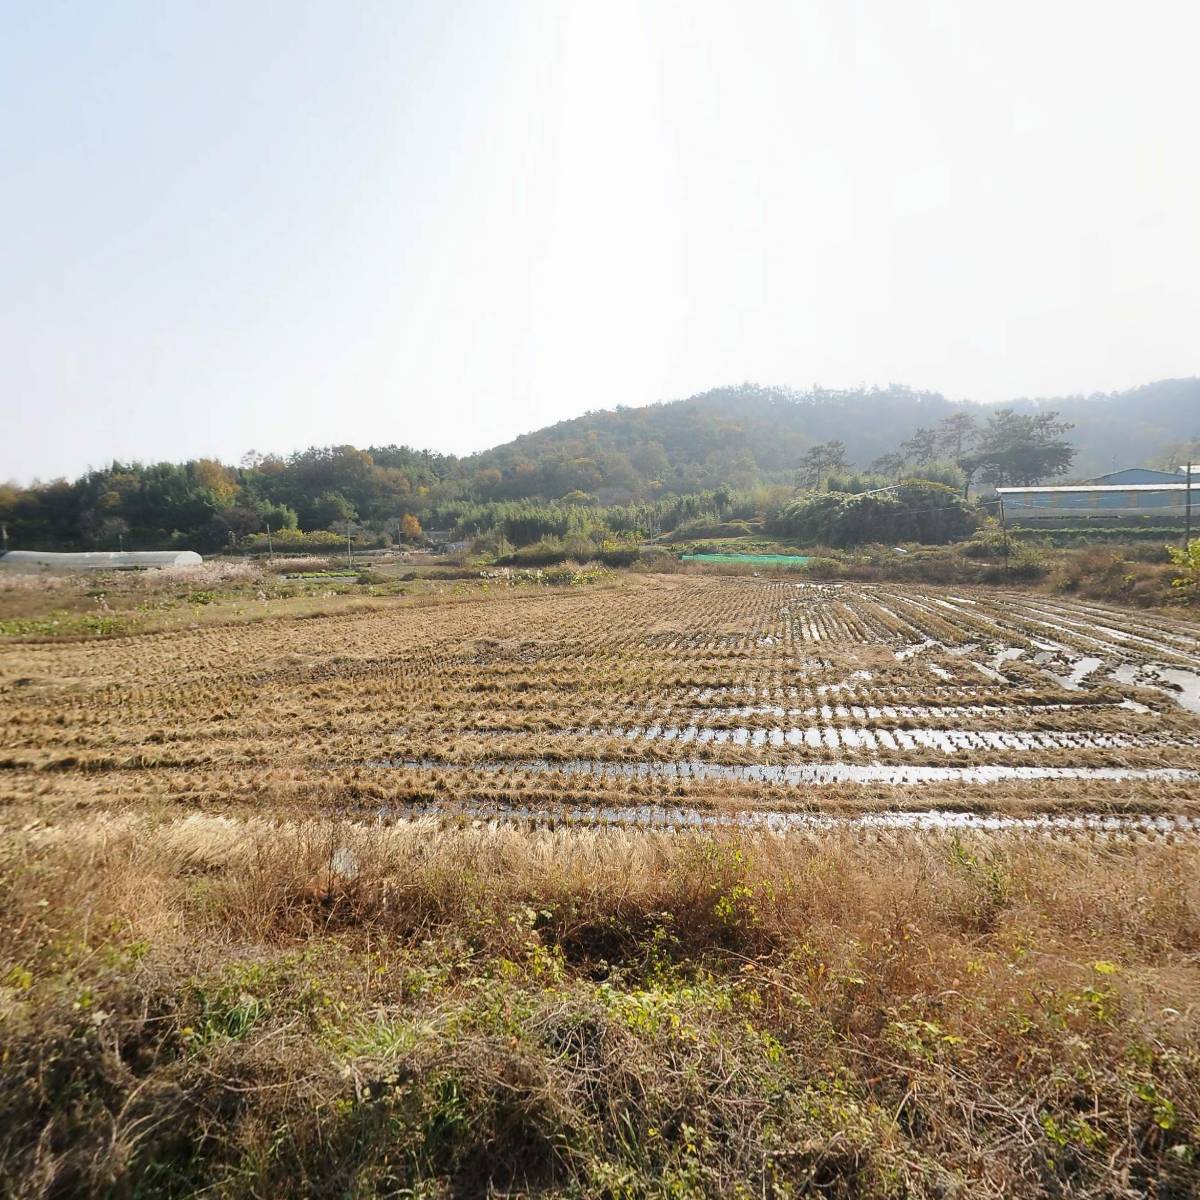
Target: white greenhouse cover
(33,560)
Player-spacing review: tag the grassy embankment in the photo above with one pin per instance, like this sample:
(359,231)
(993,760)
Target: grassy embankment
(1138,573)
(247,1008)
(112,603)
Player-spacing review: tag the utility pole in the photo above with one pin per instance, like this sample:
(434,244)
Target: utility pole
(349,529)
(3,537)
(1187,509)
(1004,527)
(270,547)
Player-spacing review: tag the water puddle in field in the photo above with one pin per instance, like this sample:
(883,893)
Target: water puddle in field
(855,677)
(835,737)
(907,652)
(793,774)
(660,816)
(1128,674)
(1086,629)
(988,672)
(1182,686)
(1186,685)
(1080,670)
(893,712)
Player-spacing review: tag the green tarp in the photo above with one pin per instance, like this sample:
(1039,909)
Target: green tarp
(767,560)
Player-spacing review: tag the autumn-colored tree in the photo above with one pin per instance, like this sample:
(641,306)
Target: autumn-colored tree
(217,478)
(488,479)
(410,528)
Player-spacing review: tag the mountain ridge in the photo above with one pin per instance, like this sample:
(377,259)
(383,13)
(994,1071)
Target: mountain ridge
(751,428)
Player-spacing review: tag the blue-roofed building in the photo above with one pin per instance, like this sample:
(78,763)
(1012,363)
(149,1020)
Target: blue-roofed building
(1137,475)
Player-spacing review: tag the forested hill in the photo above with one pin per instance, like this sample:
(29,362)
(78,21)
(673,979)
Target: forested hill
(620,471)
(732,436)
(744,436)
(1142,426)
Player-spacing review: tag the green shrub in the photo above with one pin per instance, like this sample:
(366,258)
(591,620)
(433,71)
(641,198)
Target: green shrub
(1024,565)
(824,568)
(551,551)
(915,511)
(708,528)
(987,543)
(1082,536)
(1187,560)
(287,540)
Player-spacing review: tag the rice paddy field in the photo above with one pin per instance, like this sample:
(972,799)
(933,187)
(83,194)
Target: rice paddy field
(653,886)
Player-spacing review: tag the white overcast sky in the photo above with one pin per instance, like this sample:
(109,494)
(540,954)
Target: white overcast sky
(246,224)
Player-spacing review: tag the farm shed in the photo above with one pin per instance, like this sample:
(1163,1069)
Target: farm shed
(1137,475)
(1160,502)
(44,560)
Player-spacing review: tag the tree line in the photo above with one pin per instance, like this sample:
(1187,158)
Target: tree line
(919,492)
(1009,449)
(396,493)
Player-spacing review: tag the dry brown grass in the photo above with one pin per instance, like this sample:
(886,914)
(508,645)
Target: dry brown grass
(464,1004)
(302,563)
(13,581)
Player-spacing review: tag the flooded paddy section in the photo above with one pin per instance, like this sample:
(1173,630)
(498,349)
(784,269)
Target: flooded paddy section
(884,738)
(800,774)
(862,737)
(679,818)
(1073,643)
(763,690)
(898,684)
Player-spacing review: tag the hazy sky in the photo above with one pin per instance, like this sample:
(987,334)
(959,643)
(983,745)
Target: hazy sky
(233,225)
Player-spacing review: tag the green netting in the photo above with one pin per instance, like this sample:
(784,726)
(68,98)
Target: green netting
(796,560)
